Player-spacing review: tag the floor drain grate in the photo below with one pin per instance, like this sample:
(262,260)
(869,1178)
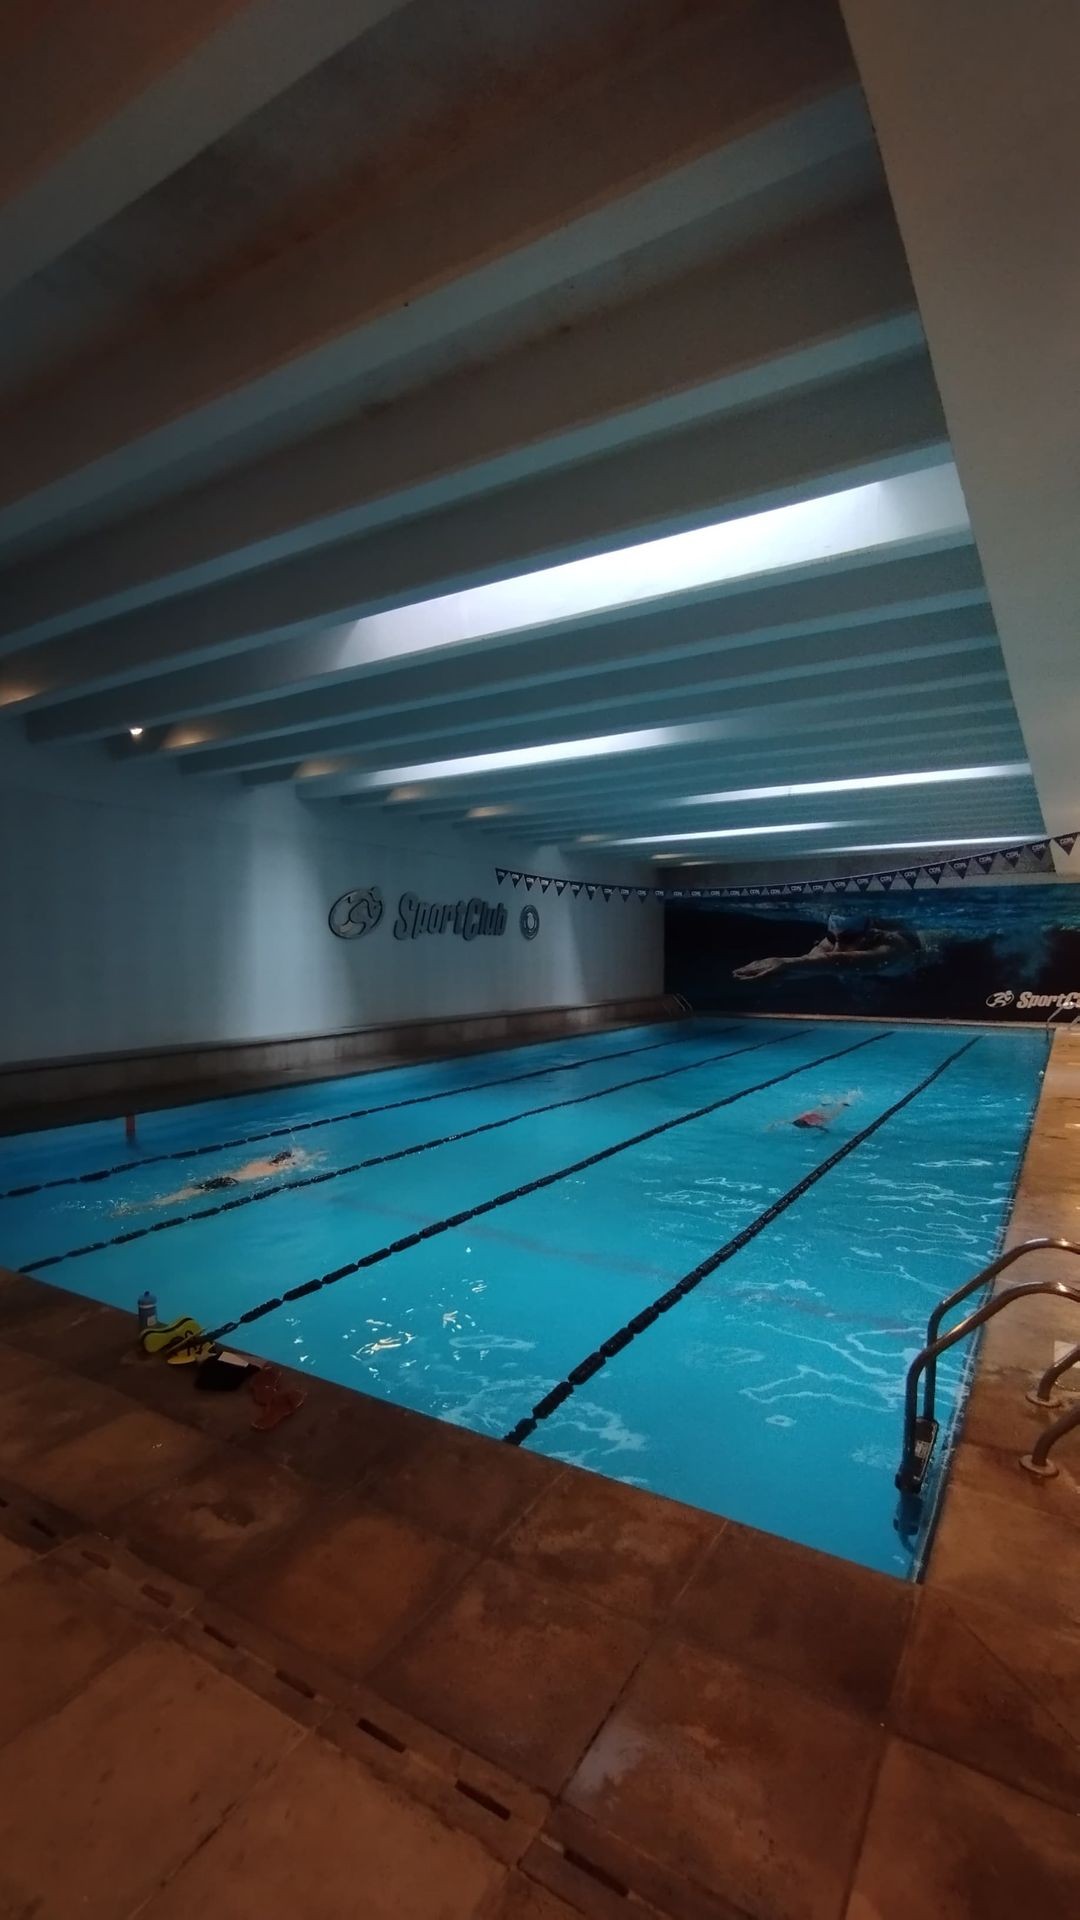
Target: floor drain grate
(485,1800)
(380,1733)
(298,1686)
(606,1879)
(215,1633)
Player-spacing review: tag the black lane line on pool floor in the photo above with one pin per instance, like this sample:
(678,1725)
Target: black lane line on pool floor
(626,1335)
(329,1120)
(517,1193)
(399,1153)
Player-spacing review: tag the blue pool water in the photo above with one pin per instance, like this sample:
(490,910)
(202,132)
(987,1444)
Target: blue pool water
(770,1392)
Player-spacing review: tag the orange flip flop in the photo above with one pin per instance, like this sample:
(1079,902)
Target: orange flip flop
(274,1399)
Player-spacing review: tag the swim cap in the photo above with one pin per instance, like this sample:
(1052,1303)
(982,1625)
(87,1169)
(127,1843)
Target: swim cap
(839,923)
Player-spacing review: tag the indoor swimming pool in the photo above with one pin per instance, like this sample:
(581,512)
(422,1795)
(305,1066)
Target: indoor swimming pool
(629,1251)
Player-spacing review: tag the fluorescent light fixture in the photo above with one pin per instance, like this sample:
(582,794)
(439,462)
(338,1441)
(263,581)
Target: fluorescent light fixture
(728,833)
(135,732)
(595,749)
(904,511)
(487,813)
(943,776)
(941,845)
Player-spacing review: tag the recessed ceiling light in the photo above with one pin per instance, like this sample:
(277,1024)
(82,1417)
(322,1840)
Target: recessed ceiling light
(541,756)
(727,833)
(1007,770)
(135,732)
(487,813)
(943,844)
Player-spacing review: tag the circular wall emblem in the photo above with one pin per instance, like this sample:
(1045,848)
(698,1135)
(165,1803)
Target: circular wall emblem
(529,922)
(356,913)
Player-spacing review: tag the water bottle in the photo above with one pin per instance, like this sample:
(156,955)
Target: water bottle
(147,1311)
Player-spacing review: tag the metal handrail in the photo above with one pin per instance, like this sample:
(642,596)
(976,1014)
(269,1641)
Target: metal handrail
(1038,1461)
(1043,1244)
(909,1477)
(1041,1395)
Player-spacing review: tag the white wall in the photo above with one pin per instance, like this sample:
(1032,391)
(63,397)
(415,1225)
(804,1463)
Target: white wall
(143,909)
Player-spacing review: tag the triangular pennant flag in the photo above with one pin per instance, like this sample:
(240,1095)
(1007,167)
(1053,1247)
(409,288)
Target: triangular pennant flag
(590,890)
(530,882)
(885,880)
(607,892)
(624,892)
(695,893)
(642,893)
(1039,849)
(1066,841)
(961,867)
(774,891)
(575,887)
(500,875)
(560,887)
(544,885)
(863,881)
(936,870)
(817,886)
(659,894)
(1012,855)
(911,874)
(840,886)
(516,878)
(985,861)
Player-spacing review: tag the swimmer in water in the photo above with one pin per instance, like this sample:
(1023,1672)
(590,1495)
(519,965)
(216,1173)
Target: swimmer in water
(284,1162)
(824,1115)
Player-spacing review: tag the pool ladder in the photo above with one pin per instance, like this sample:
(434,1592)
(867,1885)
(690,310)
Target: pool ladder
(921,1428)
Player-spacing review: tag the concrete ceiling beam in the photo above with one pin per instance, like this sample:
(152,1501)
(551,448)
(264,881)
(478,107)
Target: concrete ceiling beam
(614,698)
(912,679)
(231,700)
(821,300)
(703,111)
(100,106)
(844,433)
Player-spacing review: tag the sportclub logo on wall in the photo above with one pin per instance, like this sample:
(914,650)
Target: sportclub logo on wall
(360,911)
(356,913)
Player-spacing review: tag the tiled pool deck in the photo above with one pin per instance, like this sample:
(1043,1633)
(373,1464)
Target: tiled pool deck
(369,1665)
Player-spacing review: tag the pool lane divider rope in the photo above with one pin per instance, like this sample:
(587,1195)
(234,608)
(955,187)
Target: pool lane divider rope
(334,1119)
(264,1192)
(529,1186)
(641,1322)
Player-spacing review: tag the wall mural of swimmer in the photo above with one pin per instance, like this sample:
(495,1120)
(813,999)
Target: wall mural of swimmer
(962,953)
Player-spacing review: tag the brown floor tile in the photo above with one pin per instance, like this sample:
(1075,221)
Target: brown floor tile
(202,1526)
(102,1802)
(998,1414)
(348,1586)
(625,1549)
(17,1368)
(323,1839)
(55,1634)
(75,1332)
(827,1624)
(997,1471)
(21,1297)
(957,1696)
(953,1845)
(522,1899)
(12,1557)
(122,1461)
(521,1671)
(458,1483)
(50,1408)
(735,1779)
(1010,1555)
(336,1437)
(1045,1662)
